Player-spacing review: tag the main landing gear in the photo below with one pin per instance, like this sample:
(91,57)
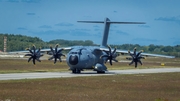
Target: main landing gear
(100,72)
(76,71)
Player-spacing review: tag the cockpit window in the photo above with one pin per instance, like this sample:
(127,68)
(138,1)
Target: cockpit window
(74,52)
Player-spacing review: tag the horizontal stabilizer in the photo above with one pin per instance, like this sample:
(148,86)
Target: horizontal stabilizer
(91,21)
(125,22)
(112,22)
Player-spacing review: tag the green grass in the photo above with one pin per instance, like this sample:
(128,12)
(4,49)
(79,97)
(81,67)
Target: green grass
(136,87)
(22,66)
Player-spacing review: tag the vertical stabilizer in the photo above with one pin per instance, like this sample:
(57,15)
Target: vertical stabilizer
(106,32)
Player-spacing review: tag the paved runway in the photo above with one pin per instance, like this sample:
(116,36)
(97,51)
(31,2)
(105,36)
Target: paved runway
(16,76)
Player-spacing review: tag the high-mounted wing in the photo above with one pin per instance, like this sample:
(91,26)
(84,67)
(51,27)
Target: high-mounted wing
(42,50)
(135,56)
(143,54)
(36,54)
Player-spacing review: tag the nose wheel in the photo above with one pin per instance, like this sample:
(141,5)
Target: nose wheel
(76,71)
(100,72)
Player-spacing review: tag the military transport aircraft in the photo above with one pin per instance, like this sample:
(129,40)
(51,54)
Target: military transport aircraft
(91,57)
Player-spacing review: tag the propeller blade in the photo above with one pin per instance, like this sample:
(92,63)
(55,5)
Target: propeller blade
(139,53)
(109,49)
(34,61)
(110,55)
(59,51)
(59,59)
(115,60)
(51,58)
(29,50)
(135,57)
(34,49)
(38,60)
(55,59)
(110,61)
(104,56)
(128,58)
(39,50)
(140,62)
(56,54)
(130,53)
(28,54)
(131,62)
(56,48)
(135,51)
(52,50)
(29,59)
(114,51)
(35,55)
(135,64)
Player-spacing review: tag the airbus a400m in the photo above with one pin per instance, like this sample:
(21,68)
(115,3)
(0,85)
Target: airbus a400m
(91,57)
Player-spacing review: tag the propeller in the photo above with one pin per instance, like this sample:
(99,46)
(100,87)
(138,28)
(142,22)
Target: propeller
(135,57)
(56,54)
(110,55)
(34,55)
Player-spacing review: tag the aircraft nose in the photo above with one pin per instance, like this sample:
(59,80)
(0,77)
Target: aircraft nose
(73,59)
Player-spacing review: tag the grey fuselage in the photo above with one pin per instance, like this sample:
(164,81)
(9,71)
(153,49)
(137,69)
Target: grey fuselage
(86,57)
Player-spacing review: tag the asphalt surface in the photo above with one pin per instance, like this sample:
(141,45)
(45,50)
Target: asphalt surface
(17,76)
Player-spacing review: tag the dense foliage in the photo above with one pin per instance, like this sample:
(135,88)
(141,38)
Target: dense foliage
(71,43)
(156,49)
(21,42)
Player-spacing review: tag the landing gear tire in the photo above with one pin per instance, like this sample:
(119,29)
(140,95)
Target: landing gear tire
(76,71)
(100,72)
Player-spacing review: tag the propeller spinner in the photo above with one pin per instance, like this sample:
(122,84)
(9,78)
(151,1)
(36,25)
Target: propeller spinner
(35,55)
(56,54)
(135,57)
(110,55)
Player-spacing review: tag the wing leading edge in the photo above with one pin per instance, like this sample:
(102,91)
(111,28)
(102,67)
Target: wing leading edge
(143,54)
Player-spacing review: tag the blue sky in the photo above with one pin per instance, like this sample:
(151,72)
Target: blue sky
(57,19)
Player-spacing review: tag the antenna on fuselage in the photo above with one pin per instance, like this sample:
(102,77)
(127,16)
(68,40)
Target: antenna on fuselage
(107,23)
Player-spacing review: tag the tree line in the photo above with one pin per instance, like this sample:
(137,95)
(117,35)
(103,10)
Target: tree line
(21,42)
(155,49)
